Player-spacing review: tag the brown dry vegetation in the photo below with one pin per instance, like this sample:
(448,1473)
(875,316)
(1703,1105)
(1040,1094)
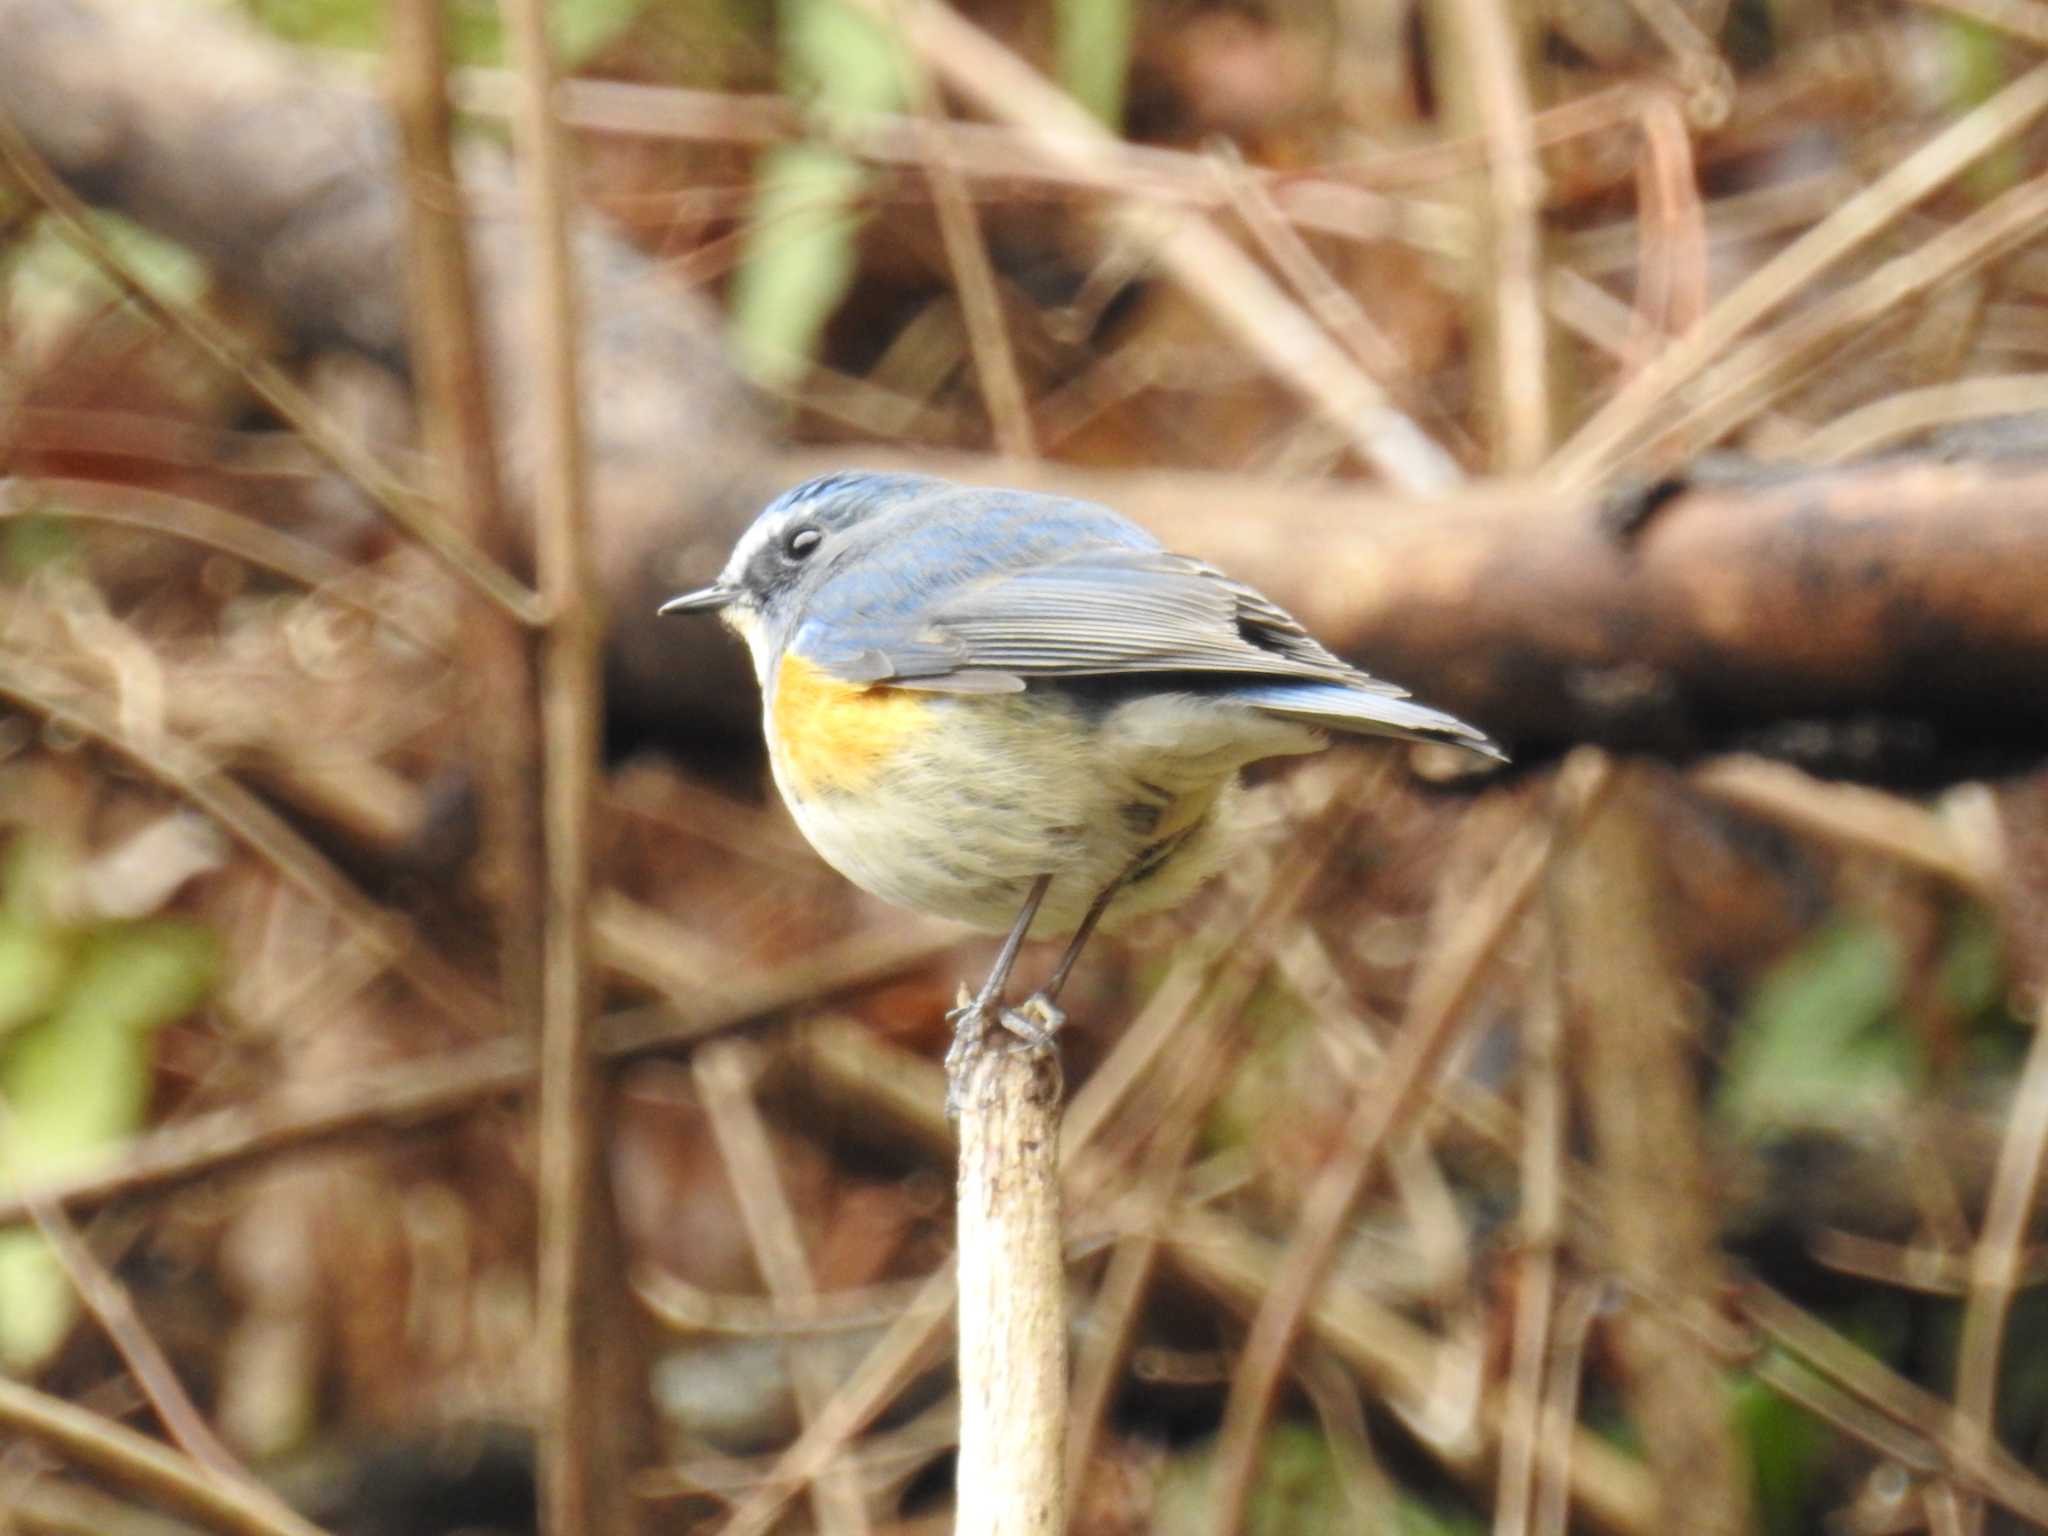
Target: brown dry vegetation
(1644,1139)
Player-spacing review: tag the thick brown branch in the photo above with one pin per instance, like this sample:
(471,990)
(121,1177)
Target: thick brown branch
(1904,592)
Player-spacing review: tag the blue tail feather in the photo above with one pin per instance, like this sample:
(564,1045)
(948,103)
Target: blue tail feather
(1338,708)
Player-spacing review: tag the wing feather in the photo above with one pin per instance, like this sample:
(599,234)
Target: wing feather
(1106,600)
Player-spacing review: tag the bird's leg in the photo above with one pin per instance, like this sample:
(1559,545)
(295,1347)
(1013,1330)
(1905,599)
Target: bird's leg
(971,1019)
(1052,989)
(1038,1018)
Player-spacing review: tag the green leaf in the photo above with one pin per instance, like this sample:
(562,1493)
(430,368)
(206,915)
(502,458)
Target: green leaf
(1973,964)
(839,59)
(1786,1447)
(800,260)
(1300,1487)
(474,30)
(75,1083)
(799,256)
(35,961)
(1819,1039)
(1094,48)
(582,27)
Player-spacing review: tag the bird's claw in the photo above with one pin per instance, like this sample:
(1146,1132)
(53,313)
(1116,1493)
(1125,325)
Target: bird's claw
(1034,1024)
(970,1020)
(1036,1021)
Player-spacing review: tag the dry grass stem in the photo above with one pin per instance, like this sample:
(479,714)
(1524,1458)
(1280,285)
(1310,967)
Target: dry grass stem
(269,384)
(726,1072)
(135,1461)
(1846,1367)
(1540,1230)
(986,152)
(588,1398)
(1851,816)
(1442,985)
(1672,295)
(462,443)
(1629,1037)
(1998,1258)
(1010,1312)
(1638,406)
(974,281)
(1885,423)
(114,1310)
(1404,1365)
(906,1348)
(1333,305)
(1237,293)
(1491,90)
(1114,1310)
(184,517)
(186,771)
(1737,389)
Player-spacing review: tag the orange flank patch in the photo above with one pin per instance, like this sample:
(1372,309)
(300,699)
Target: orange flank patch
(838,736)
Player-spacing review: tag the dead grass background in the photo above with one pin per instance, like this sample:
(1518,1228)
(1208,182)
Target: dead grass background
(1614,1145)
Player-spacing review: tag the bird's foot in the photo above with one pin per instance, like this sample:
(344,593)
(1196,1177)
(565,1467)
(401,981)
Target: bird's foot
(971,1023)
(1036,1021)
(1034,1026)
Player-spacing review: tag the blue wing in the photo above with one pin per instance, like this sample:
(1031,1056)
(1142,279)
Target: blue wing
(970,590)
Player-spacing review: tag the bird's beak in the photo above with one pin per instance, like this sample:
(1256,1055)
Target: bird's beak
(704,600)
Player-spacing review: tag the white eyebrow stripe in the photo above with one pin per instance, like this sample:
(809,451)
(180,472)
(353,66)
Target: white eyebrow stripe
(751,543)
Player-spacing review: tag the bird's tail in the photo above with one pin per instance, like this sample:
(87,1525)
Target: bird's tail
(1365,713)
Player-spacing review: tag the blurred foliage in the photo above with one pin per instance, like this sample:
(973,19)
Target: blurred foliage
(1301,1487)
(800,258)
(581,27)
(1094,48)
(1827,1035)
(80,1005)
(52,286)
(1820,1039)
(1787,1448)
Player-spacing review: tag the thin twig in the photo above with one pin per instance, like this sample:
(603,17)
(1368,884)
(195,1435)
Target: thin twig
(1987,1467)
(1404,1364)
(1011,1310)
(417,1094)
(582,1422)
(1488,64)
(1215,272)
(1436,1002)
(1879,425)
(1672,233)
(1328,300)
(448,348)
(725,1074)
(164,513)
(1639,405)
(987,152)
(135,1461)
(112,1307)
(271,385)
(974,281)
(2000,1252)
(1558,1422)
(1113,1311)
(1630,1028)
(1853,816)
(1541,1230)
(183,768)
(1749,380)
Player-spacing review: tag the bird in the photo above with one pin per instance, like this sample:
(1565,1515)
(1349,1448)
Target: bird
(1021,711)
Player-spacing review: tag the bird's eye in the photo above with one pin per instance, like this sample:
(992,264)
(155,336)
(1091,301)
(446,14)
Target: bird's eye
(801,543)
